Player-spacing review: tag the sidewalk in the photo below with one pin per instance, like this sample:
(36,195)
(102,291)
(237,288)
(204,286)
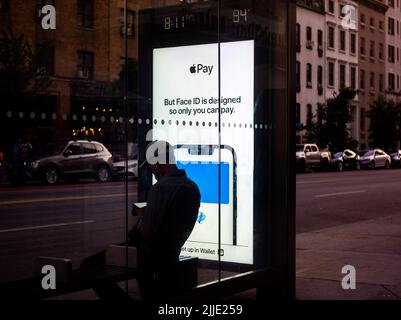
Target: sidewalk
(373,247)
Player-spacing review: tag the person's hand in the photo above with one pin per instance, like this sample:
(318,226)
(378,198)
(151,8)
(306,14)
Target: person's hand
(139,211)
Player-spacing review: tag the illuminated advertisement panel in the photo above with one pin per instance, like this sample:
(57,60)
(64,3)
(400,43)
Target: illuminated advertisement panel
(186,114)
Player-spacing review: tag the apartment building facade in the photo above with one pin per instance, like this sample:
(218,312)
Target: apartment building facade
(327,58)
(374,51)
(393,43)
(341,53)
(84,53)
(310,71)
(360,49)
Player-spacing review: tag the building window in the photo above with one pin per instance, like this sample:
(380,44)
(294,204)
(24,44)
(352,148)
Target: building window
(342,76)
(85,65)
(309,44)
(341,13)
(353,77)
(320,43)
(391,54)
(298,113)
(342,40)
(308,75)
(391,81)
(381,51)
(372,49)
(362,119)
(381,25)
(320,80)
(353,43)
(362,47)
(331,74)
(331,6)
(309,113)
(298,75)
(362,19)
(391,3)
(130,22)
(372,22)
(298,37)
(309,33)
(372,81)
(380,83)
(85,13)
(4,6)
(362,80)
(331,37)
(46,55)
(391,26)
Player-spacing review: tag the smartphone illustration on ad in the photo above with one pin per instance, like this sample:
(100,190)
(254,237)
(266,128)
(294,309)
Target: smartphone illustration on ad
(201,163)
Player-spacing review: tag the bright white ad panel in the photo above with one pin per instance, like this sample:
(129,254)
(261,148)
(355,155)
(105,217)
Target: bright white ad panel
(186,114)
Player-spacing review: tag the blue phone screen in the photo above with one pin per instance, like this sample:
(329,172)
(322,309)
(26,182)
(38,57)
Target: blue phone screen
(205,175)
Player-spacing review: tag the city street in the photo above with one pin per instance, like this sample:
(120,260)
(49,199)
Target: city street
(330,199)
(349,219)
(65,221)
(76,220)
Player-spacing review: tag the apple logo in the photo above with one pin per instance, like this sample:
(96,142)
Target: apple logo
(192,69)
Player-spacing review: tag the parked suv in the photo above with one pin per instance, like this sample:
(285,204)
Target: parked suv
(75,159)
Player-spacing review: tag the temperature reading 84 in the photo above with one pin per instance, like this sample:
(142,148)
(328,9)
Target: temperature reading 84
(240,13)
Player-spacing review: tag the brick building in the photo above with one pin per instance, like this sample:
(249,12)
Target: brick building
(85,54)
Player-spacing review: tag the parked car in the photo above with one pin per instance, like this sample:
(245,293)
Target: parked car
(16,162)
(396,158)
(309,155)
(74,159)
(119,168)
(374,159)
(346,159)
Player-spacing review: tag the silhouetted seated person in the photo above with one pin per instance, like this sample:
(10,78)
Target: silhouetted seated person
(163,226)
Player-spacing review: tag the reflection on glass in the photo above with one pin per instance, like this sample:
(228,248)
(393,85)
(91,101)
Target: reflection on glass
(82,98)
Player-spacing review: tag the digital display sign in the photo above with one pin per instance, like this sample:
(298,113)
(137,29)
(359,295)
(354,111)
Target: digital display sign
(206,73)
(186,91)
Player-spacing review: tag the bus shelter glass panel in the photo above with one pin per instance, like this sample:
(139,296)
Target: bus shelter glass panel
(178,82)
(63,125)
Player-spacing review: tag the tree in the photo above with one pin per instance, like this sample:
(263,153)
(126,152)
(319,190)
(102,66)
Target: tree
(330,126)
(385,120)
(22,71)
(132,79)
(22,76)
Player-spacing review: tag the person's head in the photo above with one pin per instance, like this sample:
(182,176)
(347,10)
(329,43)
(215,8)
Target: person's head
(160,159)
